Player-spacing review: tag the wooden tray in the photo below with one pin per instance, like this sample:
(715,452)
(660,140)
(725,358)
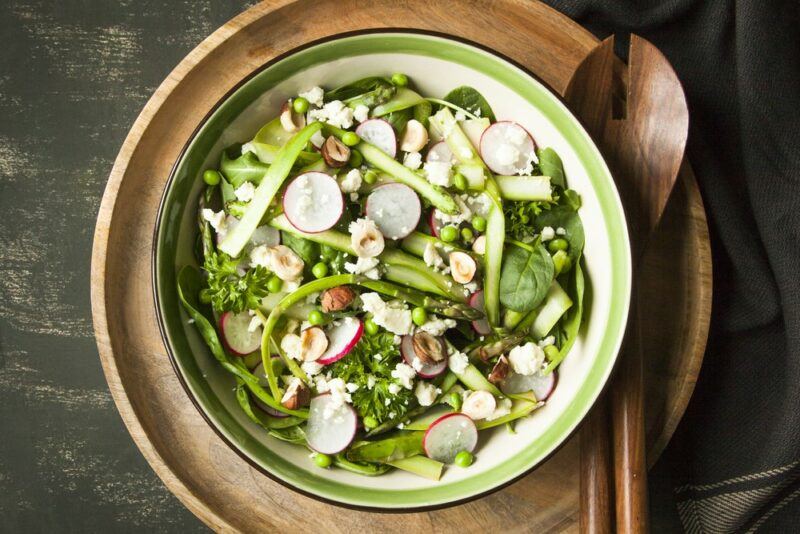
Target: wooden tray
(210,479)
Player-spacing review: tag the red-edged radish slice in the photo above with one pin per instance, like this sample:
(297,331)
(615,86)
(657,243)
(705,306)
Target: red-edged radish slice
(481,326)
(473,129)
(313,202)
(262,381)
(541,385)
(434,223)
(449,435)
(440,152)
(380,133)
(341,340)
(266,235)
(330,428)
(236,333)
(395,208)
(425,370)
(507,147)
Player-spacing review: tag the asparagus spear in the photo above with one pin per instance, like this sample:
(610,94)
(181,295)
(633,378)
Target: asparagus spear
(454,310)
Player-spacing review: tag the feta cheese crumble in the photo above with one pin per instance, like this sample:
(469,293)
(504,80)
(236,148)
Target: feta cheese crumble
(458,362)
(311,368)
(431,256)
(548,233)
(561,231)
(438,173)
(245,192)
(526,359)
(393,315)
(502,408)
(314,96)
(546,342)
(361,113)
(412,160)
(425,393)
(351,182)
(404,374)
(334,113)
(366,266)
(338,391)
(436,327)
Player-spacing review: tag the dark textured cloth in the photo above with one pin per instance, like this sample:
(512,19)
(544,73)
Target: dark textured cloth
(735,461)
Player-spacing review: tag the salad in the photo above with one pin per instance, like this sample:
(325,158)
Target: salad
(385,275)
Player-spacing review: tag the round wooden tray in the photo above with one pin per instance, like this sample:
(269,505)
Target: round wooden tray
(212,480)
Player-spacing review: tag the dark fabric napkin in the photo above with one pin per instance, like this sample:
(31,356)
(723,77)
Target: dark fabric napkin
(734,463)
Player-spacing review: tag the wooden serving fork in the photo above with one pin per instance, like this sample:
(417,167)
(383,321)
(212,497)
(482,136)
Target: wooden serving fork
(637,115)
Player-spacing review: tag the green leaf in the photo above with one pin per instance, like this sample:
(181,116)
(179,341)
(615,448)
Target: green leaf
(371,91)
(422,112)
(245,168)
(525,277)
(398,120)
(550,165)
(471,100)
(568,219)
(230,291)
(307,250)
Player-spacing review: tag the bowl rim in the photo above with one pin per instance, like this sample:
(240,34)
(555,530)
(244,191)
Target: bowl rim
(163,330)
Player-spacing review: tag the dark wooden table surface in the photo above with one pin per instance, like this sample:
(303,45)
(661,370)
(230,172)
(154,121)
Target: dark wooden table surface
(74,74)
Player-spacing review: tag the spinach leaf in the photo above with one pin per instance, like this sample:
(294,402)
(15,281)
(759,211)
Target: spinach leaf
(550,165)
(571,198)
(245,168)
(422,112)
(398,119)
(471,100)
(525,278)
(307,250)
(568,219)
(571,322)
(370,92)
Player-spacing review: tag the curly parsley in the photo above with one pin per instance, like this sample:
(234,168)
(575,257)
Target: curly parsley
(231,291)
(520,216)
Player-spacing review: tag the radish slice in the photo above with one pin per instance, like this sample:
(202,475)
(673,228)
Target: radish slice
(262,381)
(395,208)
(440,152)
(507,148)
(541,385)
(481,326)
(425,370)
(380,133)
(266,235)
(435,224)
(236,333)
(341,340)
(330,427)
(449,435)
(313,202)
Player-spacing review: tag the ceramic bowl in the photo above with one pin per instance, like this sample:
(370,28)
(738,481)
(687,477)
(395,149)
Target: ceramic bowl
(436,64)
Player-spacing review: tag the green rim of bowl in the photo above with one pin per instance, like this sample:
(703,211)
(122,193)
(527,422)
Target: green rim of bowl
(172,320)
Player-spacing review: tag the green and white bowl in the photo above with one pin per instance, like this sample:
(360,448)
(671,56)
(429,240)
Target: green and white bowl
(436,64)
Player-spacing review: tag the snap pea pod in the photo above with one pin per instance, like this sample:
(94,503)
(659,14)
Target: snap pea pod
(266,421)
(285,159)
(520,408)
(366,469)
(454,310)
(404,445)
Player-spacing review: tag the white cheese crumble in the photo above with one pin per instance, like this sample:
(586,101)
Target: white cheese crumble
(460,115)
(318,139)
(338,391)
(361,113)
(311,368)
(561,231)
(458,362)
(463,214)
(245,192)
(515,135)
(425,393)
(404,374)
(394,389)
(526,359)
(431,256)
(255,323)
(314,96)
(334,113)
(393,315)
(548,233)
(502,409)
(436,327)
(366,266)
(216,220)
(546,342)
(351,181)
(292,346)
(438,173)
(412,160)
(370,381)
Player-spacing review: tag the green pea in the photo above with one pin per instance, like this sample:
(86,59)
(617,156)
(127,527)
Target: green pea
(460,182)
(320,270)
(399,79)
(479,223)
(464,459)
(350,138)
(211,177)
(419,316)
(356,159)
(455,401)
(315,317)
(370,422)
(371,327)
(561,262)
(322,460)
(274,284)
(205,296)
(370,176)
(467,235)
(300,104)
(551,352)
(557,244)
(448,234)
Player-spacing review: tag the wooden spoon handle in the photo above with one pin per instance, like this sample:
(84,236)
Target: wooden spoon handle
(627,405)
(595,470)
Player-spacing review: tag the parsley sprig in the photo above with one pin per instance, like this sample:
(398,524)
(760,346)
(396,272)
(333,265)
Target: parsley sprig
(229,290)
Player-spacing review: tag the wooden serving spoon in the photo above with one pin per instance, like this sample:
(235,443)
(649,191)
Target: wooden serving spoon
(638,117)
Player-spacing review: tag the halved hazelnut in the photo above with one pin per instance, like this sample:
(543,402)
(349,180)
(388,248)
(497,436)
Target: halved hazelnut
(291,121)
(334,152)
(415,137)
(499,371)
(429,349)
(337,298)
(313,344)
(462,267)
(479,245)
(297,395)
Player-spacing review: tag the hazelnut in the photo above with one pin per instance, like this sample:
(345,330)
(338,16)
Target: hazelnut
(334,152)
(429,349)
(297,395)
(337,298)
(291,121)
(499,371)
